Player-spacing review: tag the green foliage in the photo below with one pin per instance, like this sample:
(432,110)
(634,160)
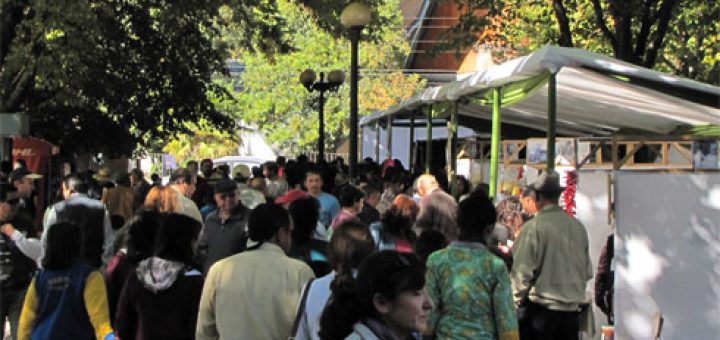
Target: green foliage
(110,75)
(274,99)
(680,36)
(202,141)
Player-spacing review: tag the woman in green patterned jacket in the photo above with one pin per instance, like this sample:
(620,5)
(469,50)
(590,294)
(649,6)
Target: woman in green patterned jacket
(469,286)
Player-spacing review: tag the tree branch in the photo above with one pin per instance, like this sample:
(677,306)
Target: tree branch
(564,22)
(664,14)
(676,69)
(600,19)
(19,87)
(645,24)
(10,17)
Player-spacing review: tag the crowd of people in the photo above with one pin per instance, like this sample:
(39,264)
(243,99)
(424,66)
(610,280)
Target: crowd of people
(293,249)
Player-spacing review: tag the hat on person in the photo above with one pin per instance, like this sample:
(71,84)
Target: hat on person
(121,176)
(549,181)
(241,170)
(225,185)
(8,193)
(291,196)
(251,198)
(21,173)
(104,174)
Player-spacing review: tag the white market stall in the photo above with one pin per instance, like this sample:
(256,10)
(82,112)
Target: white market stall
(608,107)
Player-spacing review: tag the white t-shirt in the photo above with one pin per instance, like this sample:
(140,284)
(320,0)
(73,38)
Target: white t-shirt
(317,298)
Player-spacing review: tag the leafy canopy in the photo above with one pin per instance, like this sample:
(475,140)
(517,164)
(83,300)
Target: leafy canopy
(273,98)
(680,36)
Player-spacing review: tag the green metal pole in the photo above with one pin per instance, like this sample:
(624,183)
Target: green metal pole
(552,119)
(428,145)
(389,138)
(495,144)
(411,161)
(452,146)
(377,141)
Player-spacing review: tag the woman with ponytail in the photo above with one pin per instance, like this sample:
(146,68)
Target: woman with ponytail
(349,246)
(254,294)
(387,300)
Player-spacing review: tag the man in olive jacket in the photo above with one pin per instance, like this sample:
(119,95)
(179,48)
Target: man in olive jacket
(225,229)
(551,268)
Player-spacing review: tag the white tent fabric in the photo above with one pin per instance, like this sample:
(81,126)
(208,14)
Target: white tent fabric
(593,95)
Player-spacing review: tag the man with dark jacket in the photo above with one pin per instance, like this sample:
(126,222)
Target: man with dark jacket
(140,185)
(437,209)
(551,267)
(16,267)
(225,230)
(90,214)
(23,181)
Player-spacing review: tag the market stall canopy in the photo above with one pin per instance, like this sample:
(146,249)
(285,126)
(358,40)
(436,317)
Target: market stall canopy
(597,96)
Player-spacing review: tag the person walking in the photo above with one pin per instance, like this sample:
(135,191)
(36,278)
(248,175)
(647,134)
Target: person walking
(161,297)
(349,246)
(16,267)
(260,286)
(224,233)
(67,298)
(92,217)
(140,186)
(394,231)
(387,300)
(469,286)
(551,267)
(351,201)
(437,208)
(183,181)
(329,205)
(119,200)
(23,181)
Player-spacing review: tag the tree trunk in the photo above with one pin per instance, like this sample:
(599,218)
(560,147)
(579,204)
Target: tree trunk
(562,18)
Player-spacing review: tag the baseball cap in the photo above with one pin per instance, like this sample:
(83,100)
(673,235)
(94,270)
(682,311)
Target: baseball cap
(8,193)
(290,196)
(21,173)
(225,185)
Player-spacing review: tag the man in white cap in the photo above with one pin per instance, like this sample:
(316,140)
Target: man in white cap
(551,267)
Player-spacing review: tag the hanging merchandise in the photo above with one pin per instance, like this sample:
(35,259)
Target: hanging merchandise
(570,190)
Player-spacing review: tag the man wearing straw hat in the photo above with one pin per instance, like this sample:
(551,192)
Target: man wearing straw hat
(551,267)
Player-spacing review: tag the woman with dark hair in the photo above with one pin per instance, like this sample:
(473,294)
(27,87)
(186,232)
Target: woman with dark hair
(305,212)
(387,300)
(509,221)
(160,300)
(137,244)
(351,203)
(67,298)
(349,246)
(394,231)
(254,294)
(462,188)
(470,287)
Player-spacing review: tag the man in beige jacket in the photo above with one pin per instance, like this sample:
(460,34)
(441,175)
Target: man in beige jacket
(254,294)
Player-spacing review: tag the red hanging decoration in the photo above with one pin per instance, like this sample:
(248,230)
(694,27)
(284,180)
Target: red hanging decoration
(569,194)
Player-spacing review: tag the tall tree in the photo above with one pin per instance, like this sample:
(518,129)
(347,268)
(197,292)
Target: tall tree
(108,75)
(637,31)
(273,98)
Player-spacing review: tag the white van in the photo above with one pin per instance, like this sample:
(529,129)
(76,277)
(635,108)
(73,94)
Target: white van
(232,161)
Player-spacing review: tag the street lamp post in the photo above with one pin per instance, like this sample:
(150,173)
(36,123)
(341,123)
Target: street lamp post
(335,79)
(354,17)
